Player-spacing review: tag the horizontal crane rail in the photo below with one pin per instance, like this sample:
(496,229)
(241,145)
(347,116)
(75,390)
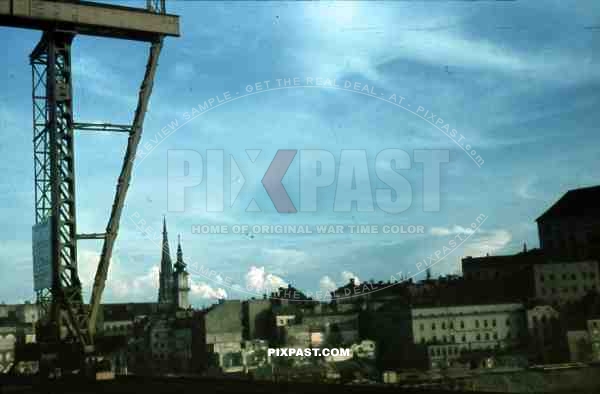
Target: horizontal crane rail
(88,18)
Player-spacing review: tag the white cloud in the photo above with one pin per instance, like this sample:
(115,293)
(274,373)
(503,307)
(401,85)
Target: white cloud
(119,284)
(347,275)
(443,231)
(327,285)
(206,291)
(257,279)
(141,286)
(489,242)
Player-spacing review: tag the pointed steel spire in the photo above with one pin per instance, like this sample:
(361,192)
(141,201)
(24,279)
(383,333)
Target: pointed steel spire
(179,264)
(165,290)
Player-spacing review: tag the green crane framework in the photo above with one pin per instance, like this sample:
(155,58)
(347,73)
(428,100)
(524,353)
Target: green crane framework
(65,318)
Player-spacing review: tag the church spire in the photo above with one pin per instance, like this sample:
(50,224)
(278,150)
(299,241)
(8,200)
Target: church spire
(165,290)
(179,264)
(181,280)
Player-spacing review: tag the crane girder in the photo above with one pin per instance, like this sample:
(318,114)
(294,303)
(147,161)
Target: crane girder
(123,185)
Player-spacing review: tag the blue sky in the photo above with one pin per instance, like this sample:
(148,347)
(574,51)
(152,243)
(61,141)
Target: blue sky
(519,80)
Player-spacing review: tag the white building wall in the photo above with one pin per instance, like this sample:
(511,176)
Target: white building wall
(448,331)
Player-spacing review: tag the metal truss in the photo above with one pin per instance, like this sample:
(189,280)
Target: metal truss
(54,175)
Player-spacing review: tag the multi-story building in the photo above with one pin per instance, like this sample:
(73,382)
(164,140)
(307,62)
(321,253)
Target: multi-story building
(258,319)
(23,313)
(224,335)
(449,332)
(558,283)
(324,327)
(546,334)
(571,227)
(8,339)
(593,326)
(505,267)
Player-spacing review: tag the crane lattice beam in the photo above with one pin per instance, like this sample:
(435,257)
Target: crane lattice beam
(66,319)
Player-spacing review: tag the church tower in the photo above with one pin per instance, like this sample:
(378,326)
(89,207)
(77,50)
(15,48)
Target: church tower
(181,280)
(165,290)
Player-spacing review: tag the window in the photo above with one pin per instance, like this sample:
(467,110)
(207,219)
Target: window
(495,335)
(452,339)
(485,323)
(433,326)
(434,338)
(443,326)
(422,327)
(478,337)
(422,340)
(573,277)
(452,325)
(487,336)
(462,324)
(507,322)
(551,276)
(564,276)
(464,338)
(476,323)
(541,277)
(493,322)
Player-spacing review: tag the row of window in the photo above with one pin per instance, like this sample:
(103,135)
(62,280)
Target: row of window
(584,275)
(6,357)
(574,289)
(116,328)
(451,351)
(461,324)
(452,339)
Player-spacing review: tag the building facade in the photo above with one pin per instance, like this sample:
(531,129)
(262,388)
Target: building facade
(224,335)
(558,283)
(571,227)
(448,332)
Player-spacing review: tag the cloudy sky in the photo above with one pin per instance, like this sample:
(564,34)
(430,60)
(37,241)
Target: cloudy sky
(517,80)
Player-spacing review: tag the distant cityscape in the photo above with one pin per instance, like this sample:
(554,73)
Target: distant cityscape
(511,313)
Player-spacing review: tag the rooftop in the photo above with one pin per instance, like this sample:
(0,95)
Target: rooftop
(576,203)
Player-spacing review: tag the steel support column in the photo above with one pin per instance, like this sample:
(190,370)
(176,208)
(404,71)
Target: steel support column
(54,166)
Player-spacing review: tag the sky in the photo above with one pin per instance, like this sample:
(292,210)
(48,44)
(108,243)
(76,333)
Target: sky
(518,81)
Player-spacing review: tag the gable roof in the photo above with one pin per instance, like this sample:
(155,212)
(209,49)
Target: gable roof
(576,203)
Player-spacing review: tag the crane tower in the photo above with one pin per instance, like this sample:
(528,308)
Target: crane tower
(67,323)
